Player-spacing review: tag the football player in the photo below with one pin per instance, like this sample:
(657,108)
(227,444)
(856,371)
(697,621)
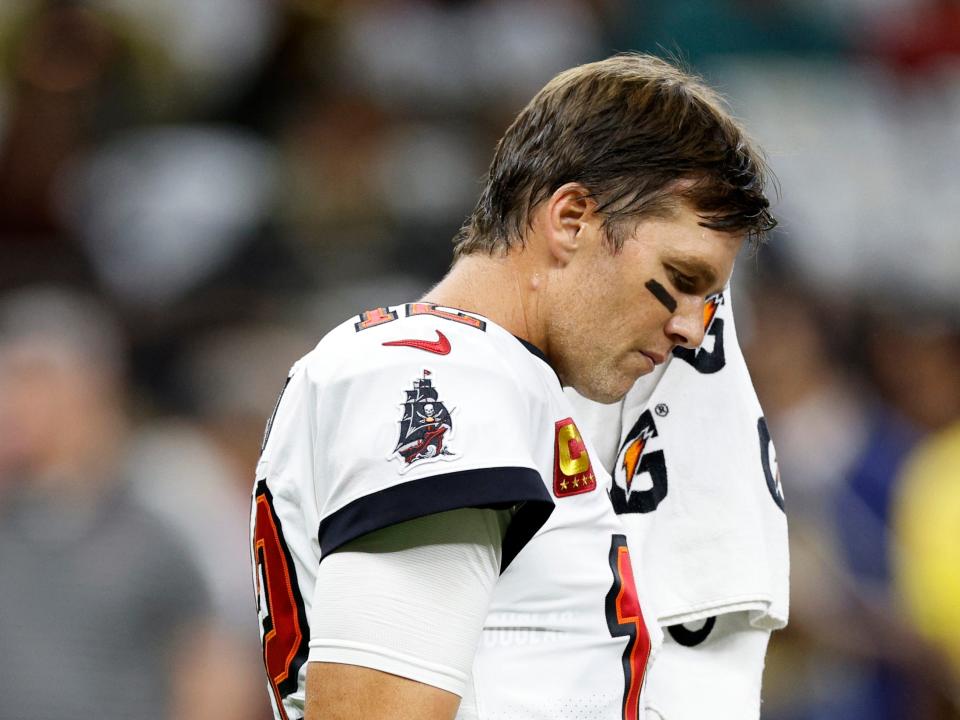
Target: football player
(431,536)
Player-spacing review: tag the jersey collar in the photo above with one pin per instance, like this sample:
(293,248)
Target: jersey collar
(534,350)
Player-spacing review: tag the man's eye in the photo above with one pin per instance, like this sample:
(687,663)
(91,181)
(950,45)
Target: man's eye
(683,283)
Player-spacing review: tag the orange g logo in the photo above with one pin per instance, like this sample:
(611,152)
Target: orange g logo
(703,360)
(634,460)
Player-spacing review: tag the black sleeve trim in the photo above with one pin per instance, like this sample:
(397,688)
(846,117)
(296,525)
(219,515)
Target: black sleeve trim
(496,488)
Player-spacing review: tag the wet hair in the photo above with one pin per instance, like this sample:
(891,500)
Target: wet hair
(642,136)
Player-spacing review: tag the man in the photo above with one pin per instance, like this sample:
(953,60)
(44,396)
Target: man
(105,614)
(407,558)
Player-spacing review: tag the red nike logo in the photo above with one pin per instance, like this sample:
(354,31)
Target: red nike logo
(439,347)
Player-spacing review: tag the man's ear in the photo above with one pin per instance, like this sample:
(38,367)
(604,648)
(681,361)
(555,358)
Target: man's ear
(570,221)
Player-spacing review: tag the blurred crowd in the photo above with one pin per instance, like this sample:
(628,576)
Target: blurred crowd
(193,191)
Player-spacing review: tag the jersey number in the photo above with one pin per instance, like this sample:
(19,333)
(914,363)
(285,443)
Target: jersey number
(625,619)
(379,316)
(284,631)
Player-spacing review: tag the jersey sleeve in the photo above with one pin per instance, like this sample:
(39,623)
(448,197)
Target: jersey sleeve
(397,433)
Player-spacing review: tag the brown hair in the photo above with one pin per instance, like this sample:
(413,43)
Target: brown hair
(629,129)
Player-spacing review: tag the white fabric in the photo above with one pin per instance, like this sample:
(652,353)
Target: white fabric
(563,612)
(410,599)
(716,542)
(717,679)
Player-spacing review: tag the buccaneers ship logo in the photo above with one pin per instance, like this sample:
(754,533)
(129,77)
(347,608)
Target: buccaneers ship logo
(426,425)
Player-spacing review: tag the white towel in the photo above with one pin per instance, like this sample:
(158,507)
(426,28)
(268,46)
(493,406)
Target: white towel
(704,505)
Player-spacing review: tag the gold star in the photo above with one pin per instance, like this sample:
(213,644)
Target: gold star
(563,484)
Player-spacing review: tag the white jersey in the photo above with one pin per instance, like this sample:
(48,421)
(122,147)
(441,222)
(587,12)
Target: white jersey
(413,410)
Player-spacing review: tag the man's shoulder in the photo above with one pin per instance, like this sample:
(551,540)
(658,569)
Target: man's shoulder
(406,411)
(386,381)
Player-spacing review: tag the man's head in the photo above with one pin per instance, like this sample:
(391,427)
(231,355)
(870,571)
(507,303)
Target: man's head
(61,386)
(629,129)
(629,189)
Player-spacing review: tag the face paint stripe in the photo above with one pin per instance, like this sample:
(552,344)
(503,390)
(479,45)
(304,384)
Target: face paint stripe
(661,294)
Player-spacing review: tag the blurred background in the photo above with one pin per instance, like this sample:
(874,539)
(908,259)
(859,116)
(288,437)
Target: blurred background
(193,191)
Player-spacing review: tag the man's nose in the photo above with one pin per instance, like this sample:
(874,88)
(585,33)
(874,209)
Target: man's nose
(685,327)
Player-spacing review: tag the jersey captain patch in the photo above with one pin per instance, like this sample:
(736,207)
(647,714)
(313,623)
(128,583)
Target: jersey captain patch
(572,471)
(425,427)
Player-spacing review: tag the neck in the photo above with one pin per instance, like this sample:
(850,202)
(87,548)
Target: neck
(505,289)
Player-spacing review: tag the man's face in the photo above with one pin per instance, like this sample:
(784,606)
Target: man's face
(615,316)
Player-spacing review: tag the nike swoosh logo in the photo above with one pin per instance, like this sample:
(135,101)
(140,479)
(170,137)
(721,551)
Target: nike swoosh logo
(439,347)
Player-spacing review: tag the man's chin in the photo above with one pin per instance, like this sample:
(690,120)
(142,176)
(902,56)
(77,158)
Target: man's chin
(605,393)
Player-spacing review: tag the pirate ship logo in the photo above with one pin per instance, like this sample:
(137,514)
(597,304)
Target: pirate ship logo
(425,428)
